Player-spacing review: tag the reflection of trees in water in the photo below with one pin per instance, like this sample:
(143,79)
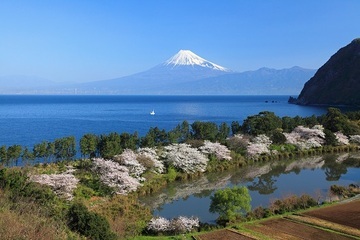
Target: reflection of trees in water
(265,183)
(334,167)
(258,177)
(201,187)
(205,193)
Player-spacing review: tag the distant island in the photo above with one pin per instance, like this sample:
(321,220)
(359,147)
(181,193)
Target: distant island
(337,82)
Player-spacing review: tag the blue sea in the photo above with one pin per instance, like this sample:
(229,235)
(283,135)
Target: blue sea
(29,119)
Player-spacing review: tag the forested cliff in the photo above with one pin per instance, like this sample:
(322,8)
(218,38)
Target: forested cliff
(337,82)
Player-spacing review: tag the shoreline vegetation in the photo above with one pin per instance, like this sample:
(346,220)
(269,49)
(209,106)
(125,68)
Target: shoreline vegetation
(95,196)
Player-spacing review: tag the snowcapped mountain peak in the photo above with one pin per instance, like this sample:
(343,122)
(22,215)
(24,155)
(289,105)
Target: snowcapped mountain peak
(188,58)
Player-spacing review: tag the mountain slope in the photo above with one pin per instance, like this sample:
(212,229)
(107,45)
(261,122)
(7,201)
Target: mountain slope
(188,74)
(186,58)
(185,66)
(264,81)
(337,82)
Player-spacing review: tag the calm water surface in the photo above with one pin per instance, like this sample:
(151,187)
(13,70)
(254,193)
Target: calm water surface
(265,182)
(27,120)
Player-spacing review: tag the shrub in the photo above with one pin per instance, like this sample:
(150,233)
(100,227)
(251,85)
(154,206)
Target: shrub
(93,182)
(230,203)
(330,138)
(89,224)
(195,143)
(278,138)
(340,191)
(171,174)
(84,192)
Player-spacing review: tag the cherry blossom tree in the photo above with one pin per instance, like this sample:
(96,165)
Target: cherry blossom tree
(184,224)
(355,139)
(62,184)
(176,225)
(341,138)
(158,224)
(221,152)
(306,138)
(151,154)
(128,159)
(185,158)
(258,145)
(114,175)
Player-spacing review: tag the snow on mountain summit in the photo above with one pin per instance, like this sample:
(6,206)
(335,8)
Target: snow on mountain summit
(187,57)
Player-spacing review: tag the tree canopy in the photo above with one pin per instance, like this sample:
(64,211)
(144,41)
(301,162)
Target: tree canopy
(230,202)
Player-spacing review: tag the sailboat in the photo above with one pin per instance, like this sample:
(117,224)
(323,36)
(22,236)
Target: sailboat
(152,112)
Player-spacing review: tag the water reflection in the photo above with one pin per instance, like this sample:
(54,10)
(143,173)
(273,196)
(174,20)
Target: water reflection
(334,167)
(265,181)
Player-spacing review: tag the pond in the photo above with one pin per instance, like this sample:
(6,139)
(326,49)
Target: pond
(265,181)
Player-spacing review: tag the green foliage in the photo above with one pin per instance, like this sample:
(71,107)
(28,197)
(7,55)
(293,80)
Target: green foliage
(171,174)
(89,145)
(289,123)
(335,121)
(154,137)
(230,203)
(235,127)
(180,133)
(129,141)
(91,181)
(65,148)
(278,138)
(40,149)
(330,138)
(27,155)
(344,192)
(223,133)
(3,155)
(110,145)
(15,183)
(89,224)
(44,150)
(289,148)
(127,217)
(185,131)
(353,116)
(83,191)
(204,130)
(13,180)
(262,123)
(291,203)
(14,152)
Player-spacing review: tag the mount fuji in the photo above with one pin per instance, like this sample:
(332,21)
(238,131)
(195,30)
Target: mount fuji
(188,58)
(182,68)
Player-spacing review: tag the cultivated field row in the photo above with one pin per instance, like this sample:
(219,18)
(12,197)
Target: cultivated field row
(341,221)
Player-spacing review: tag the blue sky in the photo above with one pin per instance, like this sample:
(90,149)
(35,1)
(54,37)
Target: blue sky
(78,40)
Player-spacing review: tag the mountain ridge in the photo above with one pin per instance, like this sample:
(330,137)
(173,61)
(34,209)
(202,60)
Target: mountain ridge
(186,73)
(337,82)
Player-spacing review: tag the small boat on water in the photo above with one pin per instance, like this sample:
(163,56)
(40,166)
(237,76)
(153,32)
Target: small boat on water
(152,112)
